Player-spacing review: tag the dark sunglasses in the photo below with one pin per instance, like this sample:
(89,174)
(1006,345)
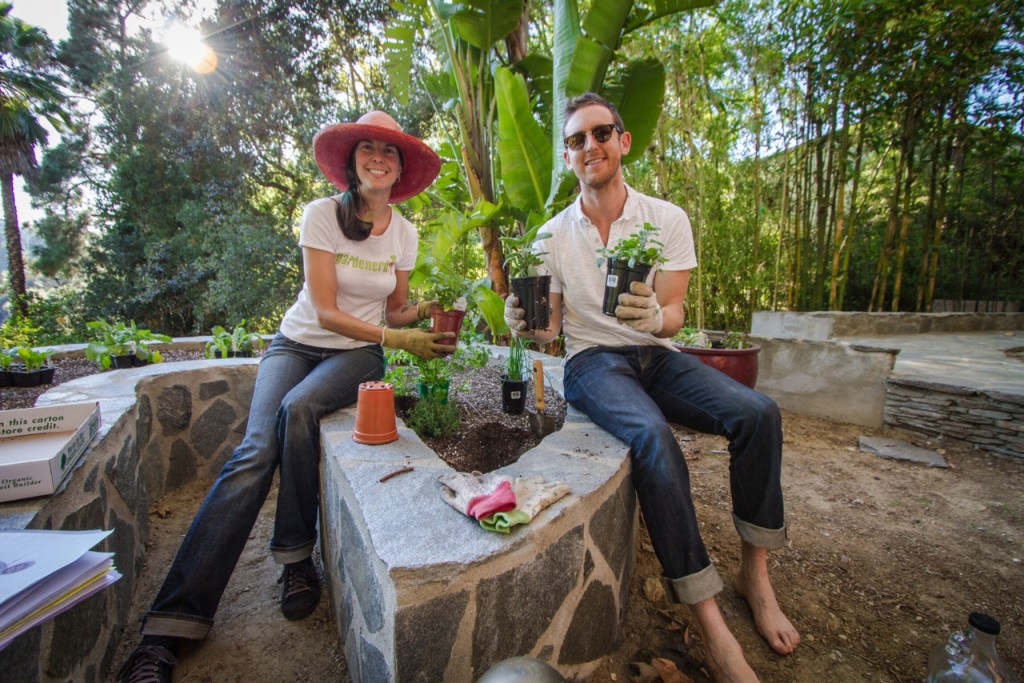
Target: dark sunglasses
(602,133)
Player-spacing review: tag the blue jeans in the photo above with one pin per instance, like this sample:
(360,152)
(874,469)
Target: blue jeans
(296,386)
(634,392)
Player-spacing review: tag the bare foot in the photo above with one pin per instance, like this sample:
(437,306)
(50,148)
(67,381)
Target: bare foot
(724,655)
(753,586)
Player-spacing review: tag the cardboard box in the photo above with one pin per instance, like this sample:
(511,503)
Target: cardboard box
(40,446)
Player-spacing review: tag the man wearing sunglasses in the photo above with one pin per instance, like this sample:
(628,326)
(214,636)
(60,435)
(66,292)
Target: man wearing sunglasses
(624,373)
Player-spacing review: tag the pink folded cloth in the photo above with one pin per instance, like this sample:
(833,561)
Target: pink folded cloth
(502,499)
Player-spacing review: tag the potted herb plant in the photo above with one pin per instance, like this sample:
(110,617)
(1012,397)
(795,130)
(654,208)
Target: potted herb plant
(629,260)
(449,288)
(238,343)
(35,369)
(513,379)
(532,289)
(727,352)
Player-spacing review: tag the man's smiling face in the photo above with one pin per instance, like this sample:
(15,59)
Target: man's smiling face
(596,163)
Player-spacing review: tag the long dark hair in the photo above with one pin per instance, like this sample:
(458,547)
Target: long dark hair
(350,206)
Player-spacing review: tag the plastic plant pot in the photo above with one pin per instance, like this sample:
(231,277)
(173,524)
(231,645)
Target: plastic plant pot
(375,414)
(617,280)
(534,294)
(513,396)
(447,321)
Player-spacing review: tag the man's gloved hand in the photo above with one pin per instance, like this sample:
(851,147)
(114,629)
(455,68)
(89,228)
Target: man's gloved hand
(532,496)
(477,495)
(424,309)
(514,317)
(639,309)
(418,342)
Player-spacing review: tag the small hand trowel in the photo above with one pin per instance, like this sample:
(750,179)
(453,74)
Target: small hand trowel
(541,424)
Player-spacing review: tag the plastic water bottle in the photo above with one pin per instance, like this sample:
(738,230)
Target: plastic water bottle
(970,656)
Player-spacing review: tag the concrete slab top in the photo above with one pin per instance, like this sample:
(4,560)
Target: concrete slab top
(976,360)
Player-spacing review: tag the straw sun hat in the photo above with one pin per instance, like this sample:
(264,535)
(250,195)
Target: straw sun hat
(333,145)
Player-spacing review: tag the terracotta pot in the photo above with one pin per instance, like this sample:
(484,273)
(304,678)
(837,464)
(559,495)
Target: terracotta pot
(739,364)
(513,395)
(534,294)
(375,414)
(447,321)
(617,280)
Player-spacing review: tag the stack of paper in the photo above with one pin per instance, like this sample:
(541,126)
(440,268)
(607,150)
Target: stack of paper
(44,573)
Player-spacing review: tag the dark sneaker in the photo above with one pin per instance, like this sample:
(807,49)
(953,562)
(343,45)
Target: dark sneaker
(148,664)
(300,590)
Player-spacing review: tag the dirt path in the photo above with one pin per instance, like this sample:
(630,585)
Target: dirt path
(885,559)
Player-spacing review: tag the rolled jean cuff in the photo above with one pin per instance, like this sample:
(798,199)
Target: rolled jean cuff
(292,555)
(184,626)
(695,588)
(759,537)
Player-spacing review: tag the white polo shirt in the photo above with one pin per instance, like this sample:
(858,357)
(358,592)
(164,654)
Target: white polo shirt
(571,260)
(365,271)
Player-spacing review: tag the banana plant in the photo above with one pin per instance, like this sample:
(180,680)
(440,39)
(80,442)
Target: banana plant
(523,168)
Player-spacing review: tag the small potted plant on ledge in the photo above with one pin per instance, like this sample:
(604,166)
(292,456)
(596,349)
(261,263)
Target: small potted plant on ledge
(727,352)
(513,379)
(238,343)
(35,369)
(629,260)
(532,290)
(5,367)
(119,346)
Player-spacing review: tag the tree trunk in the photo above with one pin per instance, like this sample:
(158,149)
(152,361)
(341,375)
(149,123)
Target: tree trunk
(15,262)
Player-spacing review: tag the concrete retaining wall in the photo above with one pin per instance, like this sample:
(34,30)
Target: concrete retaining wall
(829,379)
(825,325)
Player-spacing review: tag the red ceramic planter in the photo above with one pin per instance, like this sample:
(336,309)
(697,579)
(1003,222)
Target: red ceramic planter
(740,364)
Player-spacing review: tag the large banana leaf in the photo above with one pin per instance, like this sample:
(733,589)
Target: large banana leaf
(400,42)
(644,14)
(481,23)
(638,92)
(523,147)
(605,20)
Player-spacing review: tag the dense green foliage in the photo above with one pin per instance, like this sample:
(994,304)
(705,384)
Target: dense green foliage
(844,155)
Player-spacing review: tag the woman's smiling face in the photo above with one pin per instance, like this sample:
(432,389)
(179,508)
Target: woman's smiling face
(378,164)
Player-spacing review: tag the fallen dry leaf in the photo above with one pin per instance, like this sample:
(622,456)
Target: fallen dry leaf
(668,672)
(160,511)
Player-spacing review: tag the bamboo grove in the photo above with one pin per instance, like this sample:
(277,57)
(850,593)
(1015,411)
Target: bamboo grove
(835,155)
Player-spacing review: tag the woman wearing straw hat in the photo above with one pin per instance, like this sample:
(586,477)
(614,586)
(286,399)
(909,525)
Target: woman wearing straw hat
(357,254)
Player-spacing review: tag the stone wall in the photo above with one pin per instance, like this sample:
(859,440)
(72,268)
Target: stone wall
(162,426)
(987,420)
(422,593)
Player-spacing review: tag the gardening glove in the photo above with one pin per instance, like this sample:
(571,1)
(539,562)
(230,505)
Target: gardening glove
(514,317)
(424,309)
(532,496)
(418,342)
(639,309)
(477,495)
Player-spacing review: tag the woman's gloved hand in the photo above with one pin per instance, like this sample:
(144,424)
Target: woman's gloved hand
(477,495)
(424,309)
(418,342)
(639,309)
